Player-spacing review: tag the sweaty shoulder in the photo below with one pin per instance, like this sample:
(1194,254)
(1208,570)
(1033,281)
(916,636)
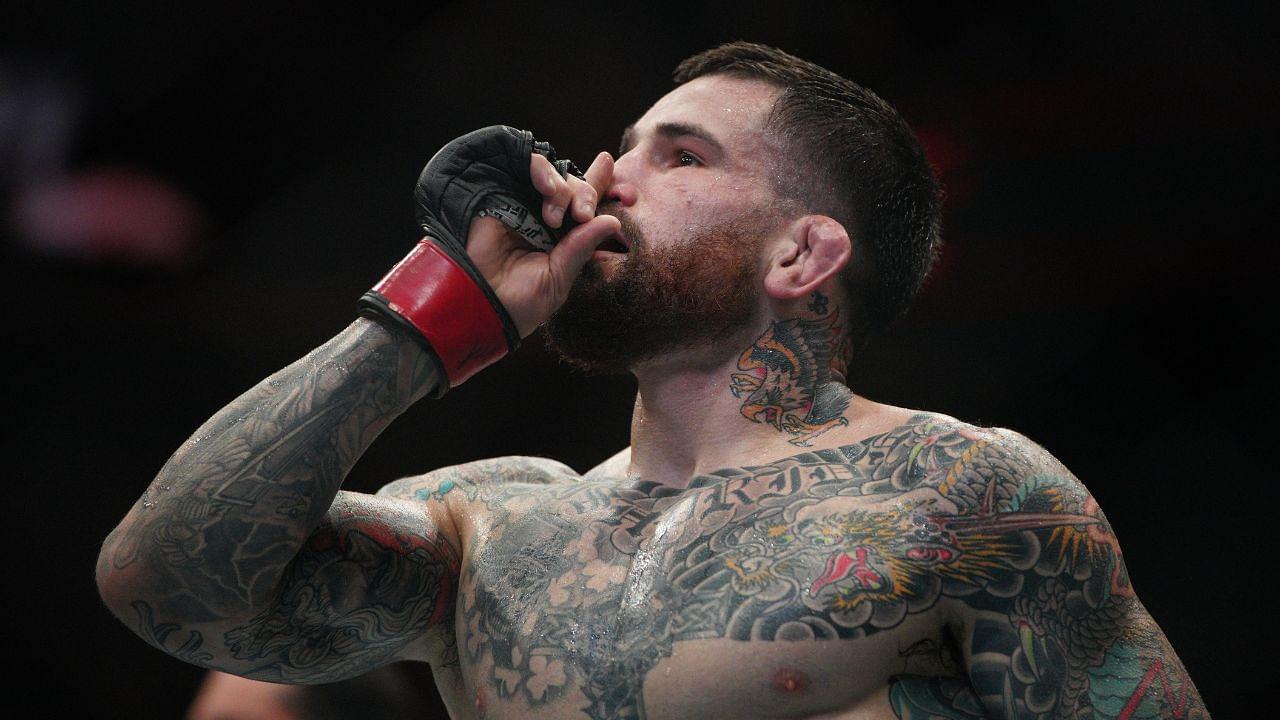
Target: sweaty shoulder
(614,467)
(469,479)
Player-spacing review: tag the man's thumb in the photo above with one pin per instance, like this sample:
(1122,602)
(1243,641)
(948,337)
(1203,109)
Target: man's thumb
(574,249)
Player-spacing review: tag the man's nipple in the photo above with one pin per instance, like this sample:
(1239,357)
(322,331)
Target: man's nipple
(789,681)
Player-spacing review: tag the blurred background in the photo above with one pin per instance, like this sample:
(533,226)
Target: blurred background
(194,195)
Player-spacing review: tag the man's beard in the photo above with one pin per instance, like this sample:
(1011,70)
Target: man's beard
(694,295)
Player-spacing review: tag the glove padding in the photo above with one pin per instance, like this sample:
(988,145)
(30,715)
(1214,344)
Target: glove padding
(485,172)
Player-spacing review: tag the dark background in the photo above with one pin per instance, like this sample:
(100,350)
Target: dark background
(194,197)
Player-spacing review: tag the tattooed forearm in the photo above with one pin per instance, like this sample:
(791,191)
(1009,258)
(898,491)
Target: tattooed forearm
(213,534)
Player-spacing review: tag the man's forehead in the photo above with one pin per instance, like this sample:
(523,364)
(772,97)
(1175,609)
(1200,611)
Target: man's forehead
(732,110)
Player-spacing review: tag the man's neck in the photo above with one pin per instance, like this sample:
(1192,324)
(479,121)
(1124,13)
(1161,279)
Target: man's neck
(739,409)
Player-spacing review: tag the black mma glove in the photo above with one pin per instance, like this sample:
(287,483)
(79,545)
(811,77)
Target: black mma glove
(436,293)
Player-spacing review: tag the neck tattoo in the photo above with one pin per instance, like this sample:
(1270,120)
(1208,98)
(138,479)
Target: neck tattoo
(787,374)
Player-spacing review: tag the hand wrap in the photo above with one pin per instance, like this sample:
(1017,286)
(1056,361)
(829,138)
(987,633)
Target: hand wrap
(436,292)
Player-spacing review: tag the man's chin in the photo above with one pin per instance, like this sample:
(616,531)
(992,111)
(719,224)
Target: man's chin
(593,347)
(590,365)
(599,336)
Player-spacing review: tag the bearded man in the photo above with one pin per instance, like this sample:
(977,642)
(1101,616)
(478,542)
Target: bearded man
(770,545)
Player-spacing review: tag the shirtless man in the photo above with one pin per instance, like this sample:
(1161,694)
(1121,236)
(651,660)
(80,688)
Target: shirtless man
(770,545)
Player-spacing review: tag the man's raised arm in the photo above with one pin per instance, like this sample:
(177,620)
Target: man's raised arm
(242,555)
(208,544)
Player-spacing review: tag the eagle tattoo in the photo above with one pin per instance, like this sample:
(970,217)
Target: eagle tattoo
(784,375)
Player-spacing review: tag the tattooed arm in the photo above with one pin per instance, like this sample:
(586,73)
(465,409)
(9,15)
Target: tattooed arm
(243,556)
(239,540)
(1063,635)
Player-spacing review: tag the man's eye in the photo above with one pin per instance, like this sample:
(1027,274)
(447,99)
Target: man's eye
(687,159)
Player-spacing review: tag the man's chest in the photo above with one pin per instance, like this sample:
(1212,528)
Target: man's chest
(787,587)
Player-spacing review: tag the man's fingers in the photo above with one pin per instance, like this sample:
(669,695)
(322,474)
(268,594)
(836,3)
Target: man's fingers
(587,194)
(600,174)
(584,200)
(572,196)
(555,189)
(545,178)
(574,249)
(569,194)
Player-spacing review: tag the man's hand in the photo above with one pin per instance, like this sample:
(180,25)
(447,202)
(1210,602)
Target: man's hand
(532,284)
(471,289)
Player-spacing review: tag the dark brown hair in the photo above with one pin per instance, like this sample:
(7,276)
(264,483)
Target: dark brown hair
(849,155)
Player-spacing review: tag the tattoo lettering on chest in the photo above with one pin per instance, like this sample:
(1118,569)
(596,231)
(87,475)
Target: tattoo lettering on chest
(589,585)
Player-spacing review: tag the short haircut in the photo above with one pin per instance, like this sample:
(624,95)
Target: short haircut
(849,155)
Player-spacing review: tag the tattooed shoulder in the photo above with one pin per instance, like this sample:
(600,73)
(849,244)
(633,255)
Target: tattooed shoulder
(615,466)
(468,479)
(1058,627)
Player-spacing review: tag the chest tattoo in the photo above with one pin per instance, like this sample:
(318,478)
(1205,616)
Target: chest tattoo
(586,586)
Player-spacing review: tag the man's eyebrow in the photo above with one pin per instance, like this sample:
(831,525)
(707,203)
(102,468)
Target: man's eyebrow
(672,130)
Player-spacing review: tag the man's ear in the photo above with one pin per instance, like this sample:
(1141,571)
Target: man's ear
(815,248)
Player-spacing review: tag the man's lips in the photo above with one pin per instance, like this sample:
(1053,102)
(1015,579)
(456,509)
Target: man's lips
(610,251)
(617,242)
(606,256)
(609,261)
(615,245)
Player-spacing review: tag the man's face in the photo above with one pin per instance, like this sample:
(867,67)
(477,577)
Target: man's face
(691,188)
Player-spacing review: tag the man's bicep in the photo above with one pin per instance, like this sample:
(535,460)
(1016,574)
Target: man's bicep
(1043,656)
(374,576)
(1057,629)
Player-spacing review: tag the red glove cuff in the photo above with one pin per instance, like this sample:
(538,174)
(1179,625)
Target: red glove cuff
(435,295)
